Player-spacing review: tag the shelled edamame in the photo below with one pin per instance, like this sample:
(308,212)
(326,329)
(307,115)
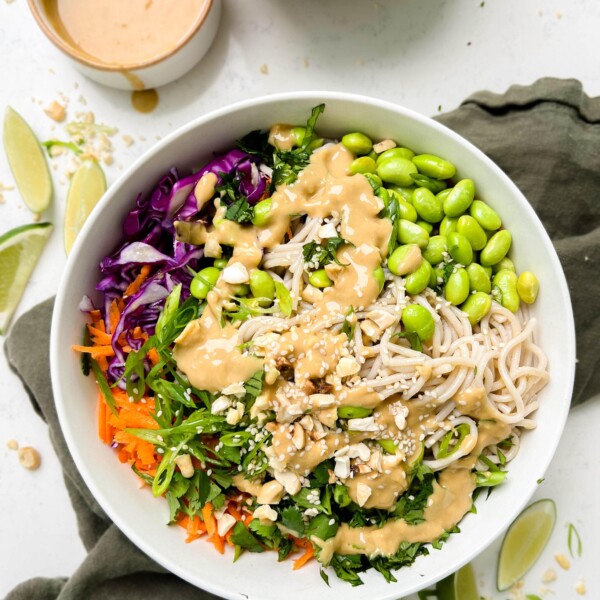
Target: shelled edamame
(447,238)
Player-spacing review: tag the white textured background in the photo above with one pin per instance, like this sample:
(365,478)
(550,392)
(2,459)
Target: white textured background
(427,55)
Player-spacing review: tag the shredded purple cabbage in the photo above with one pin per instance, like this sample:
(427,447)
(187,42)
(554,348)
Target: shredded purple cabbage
(149,239)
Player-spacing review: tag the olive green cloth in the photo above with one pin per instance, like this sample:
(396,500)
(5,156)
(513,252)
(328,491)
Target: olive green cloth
(545,136)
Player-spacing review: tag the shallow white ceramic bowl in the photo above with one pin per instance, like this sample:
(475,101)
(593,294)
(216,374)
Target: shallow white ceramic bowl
(140,516)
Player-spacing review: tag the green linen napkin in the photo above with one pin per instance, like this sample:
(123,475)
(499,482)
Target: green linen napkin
(545,136)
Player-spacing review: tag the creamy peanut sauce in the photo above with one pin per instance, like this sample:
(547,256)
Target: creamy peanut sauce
(209,354)
(123,33)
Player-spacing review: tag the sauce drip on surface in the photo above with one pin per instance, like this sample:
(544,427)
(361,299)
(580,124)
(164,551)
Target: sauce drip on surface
(144,101)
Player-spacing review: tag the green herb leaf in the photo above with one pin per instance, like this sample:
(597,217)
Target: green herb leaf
(346,567)
(244,539)
(322,527)
(318,256)
(240,211)
(411,505)
(292,519)
(413,339)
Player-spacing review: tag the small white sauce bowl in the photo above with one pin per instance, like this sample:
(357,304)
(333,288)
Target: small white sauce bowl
(142,517)
(150,74)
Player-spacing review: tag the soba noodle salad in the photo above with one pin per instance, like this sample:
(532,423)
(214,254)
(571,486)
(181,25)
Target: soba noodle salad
(316,347)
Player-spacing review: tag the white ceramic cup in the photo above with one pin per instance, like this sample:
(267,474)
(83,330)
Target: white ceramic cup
(150,74)
(259,576)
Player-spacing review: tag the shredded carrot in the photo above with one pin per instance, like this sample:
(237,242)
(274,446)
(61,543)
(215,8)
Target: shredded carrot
(209,519)
(308,555)
(153,356)
(135,285)
(114,315)
(218,542)
(99,337)
(95,350)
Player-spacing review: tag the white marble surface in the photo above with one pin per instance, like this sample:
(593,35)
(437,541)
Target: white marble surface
(427,55)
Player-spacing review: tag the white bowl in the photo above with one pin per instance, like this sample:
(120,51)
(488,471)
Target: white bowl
(152,73)
(141,517)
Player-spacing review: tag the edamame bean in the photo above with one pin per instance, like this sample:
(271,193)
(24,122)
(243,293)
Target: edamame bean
(505,263)
(358,143)
(399,152)
(262,212)
(438,244)
(404,192)
(528,286)
(405,209)
(416,282)
(354,412)
(411,233)
(204,281)
(319,279)
(485,215)
(456,289)
(506,282)
(429,207)
(473,231)
(397,171)
(488,272)
(444,194)
(379,276)
(220,263)
(496,248)
(418,319)
(434,166)
(240,289)
(315,143)
(479,280)
(433,282)
(460,198)
(405,259)
(362,165)
(262,285)
(428,227)
(460,249)
(476,306)
(448,225)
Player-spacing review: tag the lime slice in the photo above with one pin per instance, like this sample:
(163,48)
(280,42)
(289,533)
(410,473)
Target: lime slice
(20,249)
(87,186)
(524,541)
(458,586)
(27,162)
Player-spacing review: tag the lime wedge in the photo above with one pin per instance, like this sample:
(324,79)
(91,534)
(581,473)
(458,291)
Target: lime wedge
(27,162)
(458,586)
(87,186)
(20,249)
(524,541)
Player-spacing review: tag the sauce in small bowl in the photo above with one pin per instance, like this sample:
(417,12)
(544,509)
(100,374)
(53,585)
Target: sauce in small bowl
(137,44)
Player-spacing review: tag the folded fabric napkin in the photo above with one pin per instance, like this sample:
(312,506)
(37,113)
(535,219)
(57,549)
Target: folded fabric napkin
(545,136)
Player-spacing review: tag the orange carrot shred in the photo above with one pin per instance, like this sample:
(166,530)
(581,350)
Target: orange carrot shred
(135,285)
(209,519)
(308,554)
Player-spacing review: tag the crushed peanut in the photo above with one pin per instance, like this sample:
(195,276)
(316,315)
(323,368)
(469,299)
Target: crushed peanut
(563,561)
(56,111)
(12,445)
(29,458)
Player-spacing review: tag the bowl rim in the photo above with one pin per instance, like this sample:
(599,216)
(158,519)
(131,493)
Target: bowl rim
(567,372)
(38,10)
